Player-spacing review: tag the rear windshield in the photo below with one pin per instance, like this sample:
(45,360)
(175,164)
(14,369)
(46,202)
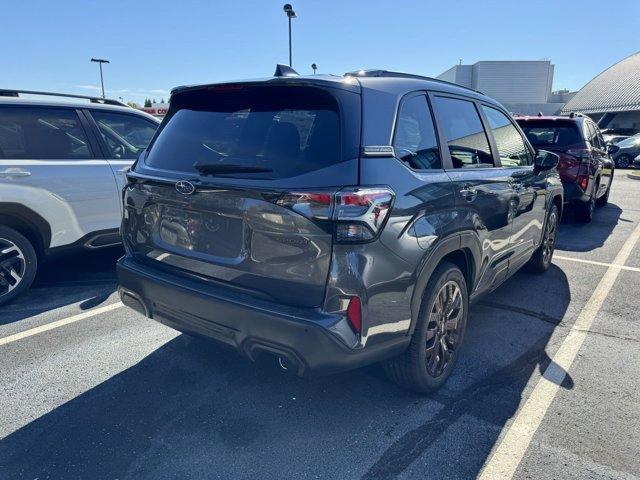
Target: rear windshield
(249,132)
(552,134)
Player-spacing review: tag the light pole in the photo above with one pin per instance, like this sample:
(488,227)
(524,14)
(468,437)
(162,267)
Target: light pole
(100,61)
(288,9)
(314,67)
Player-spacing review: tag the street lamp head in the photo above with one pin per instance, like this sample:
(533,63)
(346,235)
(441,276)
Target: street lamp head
(288,9)
(314,67)
(99,60)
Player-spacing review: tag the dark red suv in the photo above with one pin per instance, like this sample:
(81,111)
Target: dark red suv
(585,166)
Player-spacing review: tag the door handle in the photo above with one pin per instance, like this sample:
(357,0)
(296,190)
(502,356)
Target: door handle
(15,172)
(468,192)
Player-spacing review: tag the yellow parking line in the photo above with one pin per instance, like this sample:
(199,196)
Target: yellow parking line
(59,323)
(592,262)
(509,453)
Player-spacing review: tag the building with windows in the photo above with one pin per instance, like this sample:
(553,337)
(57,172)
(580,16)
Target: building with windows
(523,87)
(612,98)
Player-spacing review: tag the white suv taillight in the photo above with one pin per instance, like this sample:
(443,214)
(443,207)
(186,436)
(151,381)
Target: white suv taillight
(360,213)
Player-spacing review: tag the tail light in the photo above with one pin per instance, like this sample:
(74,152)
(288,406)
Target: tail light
(355,215)
(354,314)
(582,154)
(360,214)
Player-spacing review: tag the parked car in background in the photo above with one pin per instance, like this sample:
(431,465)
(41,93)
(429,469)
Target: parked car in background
(613,139)
(627,132)
(334,222)
(628,150)
(585,166)
(62,167)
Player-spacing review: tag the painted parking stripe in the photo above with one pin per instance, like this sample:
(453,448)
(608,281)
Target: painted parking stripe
(59,323)
(600,264)
(509,453)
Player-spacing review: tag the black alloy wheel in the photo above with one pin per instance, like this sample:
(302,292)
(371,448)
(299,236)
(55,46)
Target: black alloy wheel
(443,329)
(18,264)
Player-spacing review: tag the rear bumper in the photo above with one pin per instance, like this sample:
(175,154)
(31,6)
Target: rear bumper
(574,194)
(302,337)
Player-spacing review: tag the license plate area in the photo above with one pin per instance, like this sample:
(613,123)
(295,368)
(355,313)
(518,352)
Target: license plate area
(207,233)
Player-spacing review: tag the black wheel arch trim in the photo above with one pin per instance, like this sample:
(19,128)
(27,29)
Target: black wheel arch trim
(26,217)
(467,244)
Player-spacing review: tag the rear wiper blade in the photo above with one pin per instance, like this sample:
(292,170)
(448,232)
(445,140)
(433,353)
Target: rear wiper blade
(212,168)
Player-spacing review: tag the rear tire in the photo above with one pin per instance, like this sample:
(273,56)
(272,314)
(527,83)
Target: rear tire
(18,264)
(435,345)
(541,259)
(584,210)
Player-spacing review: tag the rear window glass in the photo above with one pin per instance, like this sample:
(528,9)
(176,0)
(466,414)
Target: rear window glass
(551,134)
(259,132)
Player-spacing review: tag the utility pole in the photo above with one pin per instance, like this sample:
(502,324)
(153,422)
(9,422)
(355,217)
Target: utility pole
(100,61)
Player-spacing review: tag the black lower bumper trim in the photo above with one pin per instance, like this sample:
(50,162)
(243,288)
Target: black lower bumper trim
(299,336)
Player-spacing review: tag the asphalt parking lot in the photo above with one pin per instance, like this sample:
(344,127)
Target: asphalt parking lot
(109,394)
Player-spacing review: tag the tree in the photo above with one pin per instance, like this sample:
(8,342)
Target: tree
(162,101)
(133,104)
(147,103)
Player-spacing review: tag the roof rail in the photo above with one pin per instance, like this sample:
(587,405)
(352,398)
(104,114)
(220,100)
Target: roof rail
(388,73)
(8,92)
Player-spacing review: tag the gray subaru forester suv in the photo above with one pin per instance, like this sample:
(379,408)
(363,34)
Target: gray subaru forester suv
(334,222)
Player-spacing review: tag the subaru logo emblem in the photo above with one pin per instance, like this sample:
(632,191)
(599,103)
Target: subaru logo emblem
(184,187)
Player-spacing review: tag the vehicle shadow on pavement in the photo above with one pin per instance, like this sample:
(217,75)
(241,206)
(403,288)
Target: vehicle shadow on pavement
(194,410)
(85,277)
(573,236)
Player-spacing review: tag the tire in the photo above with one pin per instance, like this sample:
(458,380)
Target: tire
(18,264)
(541,259)
(623,161)
(415,368)
(584,210)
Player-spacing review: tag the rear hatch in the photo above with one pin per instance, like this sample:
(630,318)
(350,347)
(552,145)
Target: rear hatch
(236,187)
(562,137)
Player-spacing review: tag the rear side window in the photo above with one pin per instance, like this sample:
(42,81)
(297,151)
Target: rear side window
(42,134)
(415,136)
(466,138)
(125,135)
(551,134)
(259,132)
(511,146)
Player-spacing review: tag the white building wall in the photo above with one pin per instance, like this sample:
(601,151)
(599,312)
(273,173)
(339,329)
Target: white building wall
(514,81)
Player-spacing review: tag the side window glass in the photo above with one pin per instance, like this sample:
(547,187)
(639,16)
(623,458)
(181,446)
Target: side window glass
(466,138)
(591,135)
(125,135)
(511,146)
(596,136)
(415,140)
(42,134)
(603,144)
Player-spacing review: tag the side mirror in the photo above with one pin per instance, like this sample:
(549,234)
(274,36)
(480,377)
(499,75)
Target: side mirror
(545,160)
(612,148)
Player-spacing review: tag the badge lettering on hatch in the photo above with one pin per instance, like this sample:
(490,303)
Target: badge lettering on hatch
(184,187)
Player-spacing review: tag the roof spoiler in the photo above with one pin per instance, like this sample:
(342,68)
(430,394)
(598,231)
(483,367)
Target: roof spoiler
(285,71)
(16,93)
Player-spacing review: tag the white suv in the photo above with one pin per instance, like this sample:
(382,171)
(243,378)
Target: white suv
(62,169)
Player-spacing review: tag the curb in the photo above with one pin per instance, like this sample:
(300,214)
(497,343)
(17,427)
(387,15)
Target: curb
(634,175)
